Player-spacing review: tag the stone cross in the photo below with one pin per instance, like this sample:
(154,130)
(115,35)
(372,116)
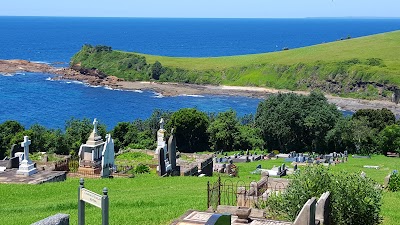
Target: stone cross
(95,122)
(26,144)
(161,124)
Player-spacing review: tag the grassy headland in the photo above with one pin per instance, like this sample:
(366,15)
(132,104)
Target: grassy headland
(366,67)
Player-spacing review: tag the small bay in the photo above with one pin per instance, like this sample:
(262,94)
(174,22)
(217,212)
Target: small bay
(33,98)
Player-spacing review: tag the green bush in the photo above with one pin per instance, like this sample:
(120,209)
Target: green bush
(394,182)
(354,199)
(141,168)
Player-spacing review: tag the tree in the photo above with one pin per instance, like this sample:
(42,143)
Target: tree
(156,70)
(190,129)
(224,131)
(8,130)
(296,122)
(249,138)
(389,139)
(124,133)
(376,118)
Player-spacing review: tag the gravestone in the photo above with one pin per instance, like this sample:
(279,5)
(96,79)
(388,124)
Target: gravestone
(323,208)
(307,213)
(161,143)
(172,150)
(14,149)
(219,219)
(161,163)
(107,157)
(26,167)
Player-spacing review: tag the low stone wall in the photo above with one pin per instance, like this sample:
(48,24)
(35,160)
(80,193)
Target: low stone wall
(193,171)
(53,177)
(58,219)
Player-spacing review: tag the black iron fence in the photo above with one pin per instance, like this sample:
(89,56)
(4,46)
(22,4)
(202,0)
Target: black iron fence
(239,193)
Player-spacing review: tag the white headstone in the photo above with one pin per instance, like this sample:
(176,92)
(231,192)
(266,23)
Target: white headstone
(108,155)
(26,167)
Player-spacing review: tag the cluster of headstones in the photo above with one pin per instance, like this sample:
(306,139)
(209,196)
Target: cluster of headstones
(238,157)
(314,158)
(229,168)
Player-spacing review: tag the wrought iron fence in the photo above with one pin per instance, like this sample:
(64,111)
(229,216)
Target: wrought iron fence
(238,193)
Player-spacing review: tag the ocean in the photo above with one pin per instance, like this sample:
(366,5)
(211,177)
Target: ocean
(33,98)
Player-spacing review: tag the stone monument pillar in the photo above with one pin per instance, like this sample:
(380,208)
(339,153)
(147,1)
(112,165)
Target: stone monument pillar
(26,167)
(172,150)
(161,163)
(161,140)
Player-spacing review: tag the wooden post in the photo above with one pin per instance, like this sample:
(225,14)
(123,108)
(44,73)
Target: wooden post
(81,204)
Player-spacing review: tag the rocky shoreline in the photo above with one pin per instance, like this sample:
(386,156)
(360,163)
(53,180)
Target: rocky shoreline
(96,78)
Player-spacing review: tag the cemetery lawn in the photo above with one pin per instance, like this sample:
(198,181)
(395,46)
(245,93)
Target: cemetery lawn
(148,199)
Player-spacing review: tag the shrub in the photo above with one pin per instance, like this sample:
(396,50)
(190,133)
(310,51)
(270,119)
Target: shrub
(354,199)
(394,182)
(141,168)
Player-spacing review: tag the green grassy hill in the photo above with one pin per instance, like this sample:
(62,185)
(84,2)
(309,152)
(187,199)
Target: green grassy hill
(366,67)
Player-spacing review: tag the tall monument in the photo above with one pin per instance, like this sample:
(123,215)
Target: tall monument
(26,167)
(96,156)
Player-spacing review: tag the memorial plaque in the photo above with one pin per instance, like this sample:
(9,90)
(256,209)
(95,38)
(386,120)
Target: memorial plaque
(91,197)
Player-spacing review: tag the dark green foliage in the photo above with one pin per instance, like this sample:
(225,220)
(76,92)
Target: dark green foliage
(376,118)
(224,131)
(156,70)
(296,122)
(374,62)
(389,139)
(354,200)
(227,133)
(142,168)
(394,182)
(190,129)
(43,140)
(77,132)
(7,131)
(124,133)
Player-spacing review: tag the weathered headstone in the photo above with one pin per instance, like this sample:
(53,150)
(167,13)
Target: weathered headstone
(307,213)
(323,208)
(172,150)
(161,163)
(219,219)
(107,157)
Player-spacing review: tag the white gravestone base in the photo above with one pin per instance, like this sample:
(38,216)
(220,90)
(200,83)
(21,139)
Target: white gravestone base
(26,167)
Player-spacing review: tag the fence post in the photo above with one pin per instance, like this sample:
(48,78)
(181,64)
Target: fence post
(208,194)
(104,207)
(81,204)
(219,190)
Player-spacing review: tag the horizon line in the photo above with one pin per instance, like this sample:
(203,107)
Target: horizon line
(151,17)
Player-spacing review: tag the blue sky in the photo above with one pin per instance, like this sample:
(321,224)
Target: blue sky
(203,8)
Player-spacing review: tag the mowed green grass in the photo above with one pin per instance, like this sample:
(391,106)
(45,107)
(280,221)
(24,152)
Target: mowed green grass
(385,46)
(148,199)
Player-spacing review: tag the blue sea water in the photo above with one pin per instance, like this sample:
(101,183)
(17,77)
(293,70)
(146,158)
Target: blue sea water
(32,98)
